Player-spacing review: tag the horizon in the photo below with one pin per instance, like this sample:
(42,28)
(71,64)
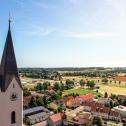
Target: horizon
(58,34)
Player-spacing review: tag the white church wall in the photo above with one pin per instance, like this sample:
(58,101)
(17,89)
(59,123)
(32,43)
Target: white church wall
(7,105)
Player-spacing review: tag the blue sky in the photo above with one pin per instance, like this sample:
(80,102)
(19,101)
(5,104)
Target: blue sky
(66,33)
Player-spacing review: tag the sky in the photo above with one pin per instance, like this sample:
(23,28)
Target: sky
(66,33)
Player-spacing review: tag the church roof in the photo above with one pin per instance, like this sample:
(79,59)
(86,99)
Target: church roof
(8,63)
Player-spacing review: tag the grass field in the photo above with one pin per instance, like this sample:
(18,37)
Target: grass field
(80,91)
(29,86)
(112,89)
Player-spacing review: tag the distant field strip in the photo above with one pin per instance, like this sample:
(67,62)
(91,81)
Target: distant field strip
(112,89)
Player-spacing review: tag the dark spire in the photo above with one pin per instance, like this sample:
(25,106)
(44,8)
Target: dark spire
(8,63)
(9,22)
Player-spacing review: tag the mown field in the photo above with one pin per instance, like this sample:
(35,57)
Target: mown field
(112,89)
(80,92)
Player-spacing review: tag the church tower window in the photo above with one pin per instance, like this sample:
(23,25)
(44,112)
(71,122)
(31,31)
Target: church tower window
(13,117)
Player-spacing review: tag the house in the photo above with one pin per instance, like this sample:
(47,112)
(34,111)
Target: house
(73,113)
(82,118)
(87,97)
(78,100)
(56,119)
(103,112)
(37,118)
(113,115)
(36,114)
(77,117)
(121,110)
(26,101)
(88,105)
(122,97)
(35,110)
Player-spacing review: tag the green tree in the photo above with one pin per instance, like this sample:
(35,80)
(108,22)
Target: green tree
(124,102)
(55,96)
(46,85)
(39,87)
(62,86)
(56,86)
(82,82)
(97,121)
(26,92)
(91,84)
(39,101)
(28,122)
(33,102)
(106,95)
(105,80)
(69,82)
(45,102)
(111,104)
(59,109)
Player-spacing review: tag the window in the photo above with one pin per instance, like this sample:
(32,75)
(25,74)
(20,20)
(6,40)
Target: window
(13,117)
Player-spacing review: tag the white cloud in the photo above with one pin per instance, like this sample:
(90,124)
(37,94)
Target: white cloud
(38,31)
(43,5)
(89,35)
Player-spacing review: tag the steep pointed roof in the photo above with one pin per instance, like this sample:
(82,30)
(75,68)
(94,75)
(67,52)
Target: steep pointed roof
(8,63)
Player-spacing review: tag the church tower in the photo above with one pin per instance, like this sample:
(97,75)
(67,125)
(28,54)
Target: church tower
(11,93)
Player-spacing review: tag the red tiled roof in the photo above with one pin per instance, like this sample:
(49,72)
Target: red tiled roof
(87,97)
(105,110)
(51,91)
(26,99)
(70,100)
(114,113)
(56,117)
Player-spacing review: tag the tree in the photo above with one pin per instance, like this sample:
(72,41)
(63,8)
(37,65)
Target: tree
(59,93)
(106,95)
(97,121)
(111,104)
(39,87)
(39,101)
(28,122)
(124,102)
(113,96)
(26,92)
(56,86)
(62,86)
(69,84)
(46,85)
(45,101)
(105,80)
(90,84)
(119,82)
(55,96)
(33,102)
(59,109)
(82,82)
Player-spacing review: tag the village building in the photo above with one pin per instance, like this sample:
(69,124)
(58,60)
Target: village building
(115,116)
(36,114)
(77,117)
(56,119)
(120,109)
